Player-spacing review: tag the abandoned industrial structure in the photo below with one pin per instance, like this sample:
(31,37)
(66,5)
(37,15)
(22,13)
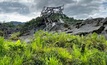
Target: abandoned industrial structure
(48,14)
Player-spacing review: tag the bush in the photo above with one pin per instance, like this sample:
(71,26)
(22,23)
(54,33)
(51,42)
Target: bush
(1,33)
(55,49)
(15,36)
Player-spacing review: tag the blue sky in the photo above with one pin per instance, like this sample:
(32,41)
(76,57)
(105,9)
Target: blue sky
(25,10)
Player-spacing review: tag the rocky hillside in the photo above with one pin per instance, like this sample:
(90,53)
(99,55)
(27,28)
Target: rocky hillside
(8,28)
(83,27)
(38,23)
(97,25)
(71,26)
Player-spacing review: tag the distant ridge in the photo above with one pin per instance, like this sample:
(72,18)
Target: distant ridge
(16,22)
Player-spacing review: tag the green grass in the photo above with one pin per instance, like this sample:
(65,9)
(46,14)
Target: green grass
(55,49)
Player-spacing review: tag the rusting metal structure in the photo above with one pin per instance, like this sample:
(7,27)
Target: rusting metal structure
(48,12)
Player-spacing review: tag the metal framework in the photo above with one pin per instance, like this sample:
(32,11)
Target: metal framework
(47,12)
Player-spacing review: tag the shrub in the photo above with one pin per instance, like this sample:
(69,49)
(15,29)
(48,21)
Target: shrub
(15,36)
(55,49)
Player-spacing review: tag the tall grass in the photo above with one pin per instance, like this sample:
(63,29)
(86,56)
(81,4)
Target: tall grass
(55,49)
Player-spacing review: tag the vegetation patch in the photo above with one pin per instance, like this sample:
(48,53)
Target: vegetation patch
(55,49)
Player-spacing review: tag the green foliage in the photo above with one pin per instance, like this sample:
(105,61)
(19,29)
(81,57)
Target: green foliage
(1,33)
(53,61)
(31,24)
(15,36)
(8,25)
(70,20)
(55,49)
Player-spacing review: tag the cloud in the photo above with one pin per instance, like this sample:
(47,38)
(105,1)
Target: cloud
(11,7)
(83,8)
(76,8)
(14,17)
(41,3)
(28,9)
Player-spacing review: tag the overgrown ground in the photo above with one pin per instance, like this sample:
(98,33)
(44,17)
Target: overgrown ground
(55,49)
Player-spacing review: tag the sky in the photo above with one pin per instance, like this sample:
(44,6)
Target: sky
(25,10)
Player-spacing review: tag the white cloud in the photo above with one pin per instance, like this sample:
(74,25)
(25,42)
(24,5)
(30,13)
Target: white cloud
(15,17)
(76,8)
(101,13)
(17,1)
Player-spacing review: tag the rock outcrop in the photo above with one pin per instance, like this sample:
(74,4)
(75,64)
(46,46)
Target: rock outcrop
(97,25)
